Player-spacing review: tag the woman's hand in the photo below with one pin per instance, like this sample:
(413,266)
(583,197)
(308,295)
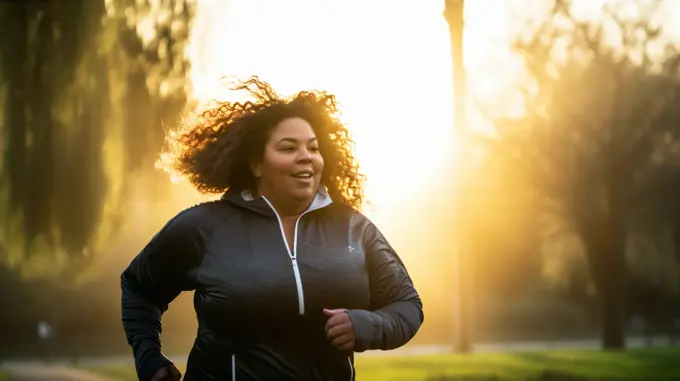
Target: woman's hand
(167,373)
(339,329)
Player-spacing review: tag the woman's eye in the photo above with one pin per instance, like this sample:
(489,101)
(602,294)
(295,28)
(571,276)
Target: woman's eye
(288,149)
(314,149)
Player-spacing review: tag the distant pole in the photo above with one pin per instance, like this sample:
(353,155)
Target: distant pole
(453,12)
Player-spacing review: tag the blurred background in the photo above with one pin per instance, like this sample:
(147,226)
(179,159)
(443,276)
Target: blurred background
(545,212)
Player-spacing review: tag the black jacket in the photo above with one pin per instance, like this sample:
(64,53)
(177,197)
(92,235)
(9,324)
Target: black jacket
(259,307)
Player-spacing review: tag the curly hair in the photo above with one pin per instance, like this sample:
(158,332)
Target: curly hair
(214,147)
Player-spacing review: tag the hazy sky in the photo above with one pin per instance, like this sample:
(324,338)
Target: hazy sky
(388,61)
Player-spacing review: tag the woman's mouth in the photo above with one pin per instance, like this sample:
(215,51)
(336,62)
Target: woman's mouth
(304,177)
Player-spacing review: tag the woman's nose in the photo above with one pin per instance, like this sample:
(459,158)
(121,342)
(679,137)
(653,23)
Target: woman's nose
(305,156)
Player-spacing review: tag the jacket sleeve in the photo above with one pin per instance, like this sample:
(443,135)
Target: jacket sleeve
(396,309)
(155,277)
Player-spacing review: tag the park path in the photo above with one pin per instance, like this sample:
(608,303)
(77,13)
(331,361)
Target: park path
(35,372)
(60,371)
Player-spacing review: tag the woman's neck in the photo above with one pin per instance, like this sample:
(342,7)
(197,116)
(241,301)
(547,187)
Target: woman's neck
(287,208)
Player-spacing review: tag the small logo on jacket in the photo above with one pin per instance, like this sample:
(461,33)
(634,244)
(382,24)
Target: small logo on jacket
(351,249)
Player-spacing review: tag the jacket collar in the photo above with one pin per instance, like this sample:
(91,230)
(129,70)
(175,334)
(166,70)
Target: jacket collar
(261,205)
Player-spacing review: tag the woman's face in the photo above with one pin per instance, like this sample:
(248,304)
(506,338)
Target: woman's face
(291,167)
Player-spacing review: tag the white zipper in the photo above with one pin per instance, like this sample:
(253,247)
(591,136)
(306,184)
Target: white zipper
(292,255)
(298,282)
(233,367)
(351,369)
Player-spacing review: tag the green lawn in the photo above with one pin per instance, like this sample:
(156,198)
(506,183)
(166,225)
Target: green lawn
(3,375)
(639,364)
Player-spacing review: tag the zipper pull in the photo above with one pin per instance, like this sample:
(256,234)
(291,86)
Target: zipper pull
(294,260)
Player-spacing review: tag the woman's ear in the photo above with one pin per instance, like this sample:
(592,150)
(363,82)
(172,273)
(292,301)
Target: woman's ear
(255,169)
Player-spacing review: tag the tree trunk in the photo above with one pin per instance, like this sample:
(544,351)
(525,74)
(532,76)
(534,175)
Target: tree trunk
(612,314)
(607,265)
(454,14)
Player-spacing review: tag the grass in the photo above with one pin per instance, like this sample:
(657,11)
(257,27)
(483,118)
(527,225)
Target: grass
(3,375)
(639,364)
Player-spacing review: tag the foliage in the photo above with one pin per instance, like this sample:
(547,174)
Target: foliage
(600,119)
(86,86)
(149,39)
(49,188)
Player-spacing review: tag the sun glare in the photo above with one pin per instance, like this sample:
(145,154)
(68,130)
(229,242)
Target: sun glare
(388,63)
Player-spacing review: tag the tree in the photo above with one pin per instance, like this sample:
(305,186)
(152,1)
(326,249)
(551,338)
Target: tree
(150,63)
(653,278)
(86,86)
(51,180)
(454,14)
(601,112)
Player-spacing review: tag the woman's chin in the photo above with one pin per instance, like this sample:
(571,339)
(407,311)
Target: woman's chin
(304,195)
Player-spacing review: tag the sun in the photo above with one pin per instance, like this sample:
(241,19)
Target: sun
(388,63)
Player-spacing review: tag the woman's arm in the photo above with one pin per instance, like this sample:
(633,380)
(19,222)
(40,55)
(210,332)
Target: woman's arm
(154,278)
(396,309)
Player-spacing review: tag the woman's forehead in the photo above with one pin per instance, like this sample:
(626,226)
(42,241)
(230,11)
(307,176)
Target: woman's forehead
(293,129)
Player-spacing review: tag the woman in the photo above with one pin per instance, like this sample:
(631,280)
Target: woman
(289,278)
